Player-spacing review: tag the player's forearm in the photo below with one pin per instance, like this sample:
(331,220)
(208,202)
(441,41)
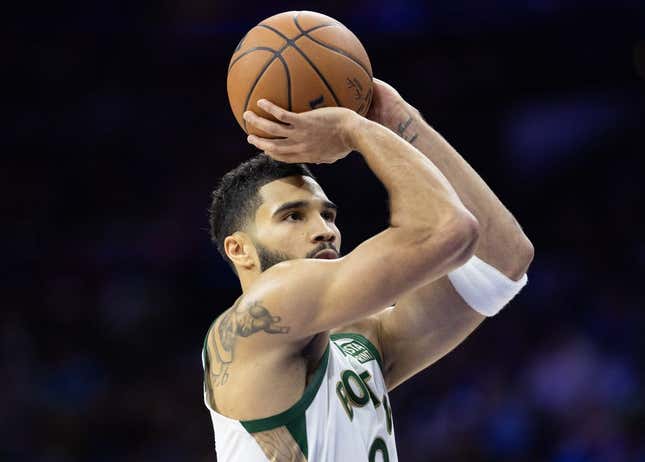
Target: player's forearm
(502,242)
(420,195)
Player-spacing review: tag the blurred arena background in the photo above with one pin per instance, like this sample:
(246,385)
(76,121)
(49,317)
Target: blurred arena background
(119,128)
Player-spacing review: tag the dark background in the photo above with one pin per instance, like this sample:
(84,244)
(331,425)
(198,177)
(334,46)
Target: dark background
(119,128)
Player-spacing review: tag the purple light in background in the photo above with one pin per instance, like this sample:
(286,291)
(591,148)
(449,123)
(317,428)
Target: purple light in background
(539,135)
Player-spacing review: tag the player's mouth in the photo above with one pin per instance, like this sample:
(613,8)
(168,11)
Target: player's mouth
(326,254)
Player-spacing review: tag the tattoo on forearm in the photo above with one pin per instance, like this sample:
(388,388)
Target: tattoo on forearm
(403,126)
(239,322)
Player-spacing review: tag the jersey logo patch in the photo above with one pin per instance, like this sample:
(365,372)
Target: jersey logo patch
(356,349)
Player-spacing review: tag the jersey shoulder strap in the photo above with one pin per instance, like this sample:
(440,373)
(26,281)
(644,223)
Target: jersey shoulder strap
(357,346)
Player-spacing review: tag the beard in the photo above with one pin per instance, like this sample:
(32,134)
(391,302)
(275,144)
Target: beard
(268,257)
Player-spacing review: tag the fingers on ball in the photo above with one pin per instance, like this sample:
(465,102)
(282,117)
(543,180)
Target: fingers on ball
(265,125)
(266,144)
(276,111)
(282,150)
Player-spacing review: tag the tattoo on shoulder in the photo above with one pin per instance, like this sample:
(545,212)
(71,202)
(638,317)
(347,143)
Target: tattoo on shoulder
(239,321)
(403,126)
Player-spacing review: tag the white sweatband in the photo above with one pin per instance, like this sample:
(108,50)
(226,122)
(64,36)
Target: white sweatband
(484,287)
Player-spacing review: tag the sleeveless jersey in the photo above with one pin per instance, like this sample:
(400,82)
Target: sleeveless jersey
(343,415)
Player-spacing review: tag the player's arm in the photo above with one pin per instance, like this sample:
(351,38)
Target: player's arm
(432,319)
(430,231)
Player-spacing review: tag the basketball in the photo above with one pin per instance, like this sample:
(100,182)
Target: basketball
(299,60)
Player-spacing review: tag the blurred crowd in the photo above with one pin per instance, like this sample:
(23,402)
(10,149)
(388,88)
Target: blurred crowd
(120,129)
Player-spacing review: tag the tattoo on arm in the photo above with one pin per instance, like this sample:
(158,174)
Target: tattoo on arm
(238,322)
(258,318)
(403,126)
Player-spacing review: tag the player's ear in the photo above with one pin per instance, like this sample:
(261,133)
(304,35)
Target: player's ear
(240,250)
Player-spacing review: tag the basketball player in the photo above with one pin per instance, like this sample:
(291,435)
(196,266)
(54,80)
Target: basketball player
(300,367)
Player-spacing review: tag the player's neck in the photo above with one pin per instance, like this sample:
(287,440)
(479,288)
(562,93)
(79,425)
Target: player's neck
(247,278)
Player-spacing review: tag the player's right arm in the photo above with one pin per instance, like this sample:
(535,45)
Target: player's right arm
(430,231)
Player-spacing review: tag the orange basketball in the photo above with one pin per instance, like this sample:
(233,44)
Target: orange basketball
(299,60)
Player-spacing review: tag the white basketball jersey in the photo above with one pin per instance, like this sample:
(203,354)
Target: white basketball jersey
(343,415)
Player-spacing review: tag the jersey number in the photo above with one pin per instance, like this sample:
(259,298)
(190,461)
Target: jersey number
(379,446)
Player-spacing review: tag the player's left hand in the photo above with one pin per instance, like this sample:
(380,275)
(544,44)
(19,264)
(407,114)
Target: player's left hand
(388,107)
(319,136)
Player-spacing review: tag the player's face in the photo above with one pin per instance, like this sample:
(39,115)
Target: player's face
(295,220)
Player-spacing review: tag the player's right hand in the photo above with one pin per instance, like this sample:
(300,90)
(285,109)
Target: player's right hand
(320,136)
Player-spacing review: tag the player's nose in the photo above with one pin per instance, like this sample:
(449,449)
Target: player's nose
(323,233)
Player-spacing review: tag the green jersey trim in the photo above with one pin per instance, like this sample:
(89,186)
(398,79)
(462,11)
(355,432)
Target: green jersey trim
(298,429)
(295,411)
(361,340)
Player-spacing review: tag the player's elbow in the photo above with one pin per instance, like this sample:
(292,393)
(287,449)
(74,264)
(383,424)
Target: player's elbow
(456,238)
(519,252)
(524,256)
(464,232)
(448,245)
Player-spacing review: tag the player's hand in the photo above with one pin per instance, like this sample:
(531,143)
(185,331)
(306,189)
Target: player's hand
(389,109)
(321,136)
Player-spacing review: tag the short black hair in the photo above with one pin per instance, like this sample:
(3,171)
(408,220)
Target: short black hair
(236,199)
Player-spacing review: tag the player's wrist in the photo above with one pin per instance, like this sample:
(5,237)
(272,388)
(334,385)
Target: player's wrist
(402,119)
(352,128)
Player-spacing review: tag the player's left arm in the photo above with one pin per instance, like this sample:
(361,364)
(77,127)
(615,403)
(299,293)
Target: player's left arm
(430,321)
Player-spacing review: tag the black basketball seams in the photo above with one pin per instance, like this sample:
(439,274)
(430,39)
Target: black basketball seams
(292,43)
(302,32)
(278,54)
(249,51)
(342,53)
(286,69)
(255,83)
(330,47)
(320,26)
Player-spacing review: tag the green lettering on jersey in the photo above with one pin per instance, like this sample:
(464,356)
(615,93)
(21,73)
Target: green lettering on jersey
(365,375)
(353,390)
(388,415)
(344,400)
(358,393)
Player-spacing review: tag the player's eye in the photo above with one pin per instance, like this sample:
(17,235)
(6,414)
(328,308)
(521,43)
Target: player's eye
(329,216)
(293,216)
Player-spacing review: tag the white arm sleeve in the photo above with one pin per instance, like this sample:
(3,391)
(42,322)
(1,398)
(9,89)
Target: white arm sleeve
(484,287)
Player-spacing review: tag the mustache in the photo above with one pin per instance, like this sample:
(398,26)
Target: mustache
(323,246)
